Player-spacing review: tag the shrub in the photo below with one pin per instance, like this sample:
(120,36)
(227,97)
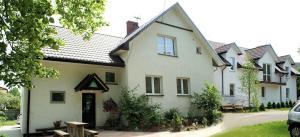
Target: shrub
(209,102)
(2,116)
(176,122)
(138,112)
(273,105)
(262,107)
(294,103)
(169,115)
(8,101)
(3,136)
(278,105)
(290,104)
(269,106)
(282,105)
(287,104)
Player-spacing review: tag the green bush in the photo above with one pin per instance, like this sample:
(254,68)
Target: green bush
(169,115)
(8,101)
(262,107)
(3,136)
(2,116)
(138,112)
(176,122)
(290,104)
(209,102)
(287,104)
(273,105)
(282,105)
(278,105)
(269,106)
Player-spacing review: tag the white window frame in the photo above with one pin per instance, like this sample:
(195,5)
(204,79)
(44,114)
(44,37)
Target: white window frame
(181,86)
(232,62)
(152,85)
(230,89)
(266,74)
(57,102)
(108,82)
(174,45)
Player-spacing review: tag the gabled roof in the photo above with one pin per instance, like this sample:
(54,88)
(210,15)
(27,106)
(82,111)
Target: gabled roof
(295,72)
(94,51)
(226,47)
(91,82)
(259,52)
(123,45)
(284,58)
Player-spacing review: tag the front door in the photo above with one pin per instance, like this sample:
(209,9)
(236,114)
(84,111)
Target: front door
(89,110)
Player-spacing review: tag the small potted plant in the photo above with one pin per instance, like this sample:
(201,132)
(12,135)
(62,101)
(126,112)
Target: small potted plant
(57,124)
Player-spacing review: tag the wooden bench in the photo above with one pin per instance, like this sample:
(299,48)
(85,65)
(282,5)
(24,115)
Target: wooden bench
(90,133)
(228,107)
(46,131)
(60,133)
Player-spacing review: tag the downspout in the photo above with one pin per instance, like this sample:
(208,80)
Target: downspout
(224,67)
(28,113)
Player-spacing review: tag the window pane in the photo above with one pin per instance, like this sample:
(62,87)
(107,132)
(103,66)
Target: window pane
(169,46)
(110,77)
(160,45)
(287,93)
(179,86)
(185,86)
(148,85)
(262,91)
(57,96)
(232,62)
(156,85)
(264,69)
(231,89)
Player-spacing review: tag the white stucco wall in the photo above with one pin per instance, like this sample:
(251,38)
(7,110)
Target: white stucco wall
(142,59)
(43,113)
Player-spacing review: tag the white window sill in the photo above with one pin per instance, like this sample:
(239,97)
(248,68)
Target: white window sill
(149,94)
(111,83)
(167,55)
(184,95)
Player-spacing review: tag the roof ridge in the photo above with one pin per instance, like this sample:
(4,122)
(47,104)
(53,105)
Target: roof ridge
(93,33)
(259,46)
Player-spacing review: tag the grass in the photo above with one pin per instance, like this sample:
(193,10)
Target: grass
(8,123)
(272,129)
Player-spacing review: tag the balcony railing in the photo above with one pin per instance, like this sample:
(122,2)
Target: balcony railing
(273,82)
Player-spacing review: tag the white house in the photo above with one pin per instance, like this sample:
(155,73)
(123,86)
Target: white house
(276,74)
(167,59)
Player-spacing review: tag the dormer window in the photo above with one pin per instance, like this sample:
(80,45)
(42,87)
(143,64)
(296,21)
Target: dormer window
(288,71)
(267,72)
(232,62)
(166,45)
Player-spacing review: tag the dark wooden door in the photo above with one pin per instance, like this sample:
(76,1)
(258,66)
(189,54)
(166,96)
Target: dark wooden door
(89,110)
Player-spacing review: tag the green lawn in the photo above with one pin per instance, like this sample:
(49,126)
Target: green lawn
(8,123)
(273,129)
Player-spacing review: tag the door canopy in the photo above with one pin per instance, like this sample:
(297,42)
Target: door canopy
(91,82)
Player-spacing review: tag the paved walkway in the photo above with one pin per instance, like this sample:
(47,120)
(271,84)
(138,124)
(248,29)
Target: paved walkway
(231,120)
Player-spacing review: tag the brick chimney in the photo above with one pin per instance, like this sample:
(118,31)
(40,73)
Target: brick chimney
(131,26)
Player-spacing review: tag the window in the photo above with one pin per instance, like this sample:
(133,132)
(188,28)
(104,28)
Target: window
(110,77)
(183,86)
(57,96)
(263,92)
(267,72)
(287,93)
(288,71)
(153,85)
(231,90)
(166,45)
(232,62)
(198,50)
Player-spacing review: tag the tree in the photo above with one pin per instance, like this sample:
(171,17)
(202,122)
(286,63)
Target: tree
(15,92)
(25,28)
(249,82)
